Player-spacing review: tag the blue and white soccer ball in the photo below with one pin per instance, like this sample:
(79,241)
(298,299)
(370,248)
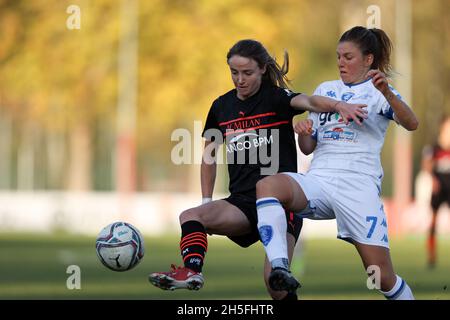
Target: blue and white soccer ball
(120,246)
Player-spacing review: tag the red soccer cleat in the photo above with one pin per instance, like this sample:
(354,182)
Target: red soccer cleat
(177,278)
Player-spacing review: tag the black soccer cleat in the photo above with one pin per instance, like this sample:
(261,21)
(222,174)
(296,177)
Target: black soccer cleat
(282,280)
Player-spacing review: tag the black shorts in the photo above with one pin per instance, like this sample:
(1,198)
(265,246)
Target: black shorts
(437,199)
(247,205)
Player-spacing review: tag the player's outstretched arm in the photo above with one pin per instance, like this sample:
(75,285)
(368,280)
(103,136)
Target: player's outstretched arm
(403,113)
(208,170)
(306,142)
(355,112)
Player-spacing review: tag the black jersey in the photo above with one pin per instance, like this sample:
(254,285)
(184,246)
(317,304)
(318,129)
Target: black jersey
(257,134)
(441,170)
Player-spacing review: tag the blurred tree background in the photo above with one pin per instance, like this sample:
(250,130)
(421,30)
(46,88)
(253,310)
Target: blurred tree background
(59,87)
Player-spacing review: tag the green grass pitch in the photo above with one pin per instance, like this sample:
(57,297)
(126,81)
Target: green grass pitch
(34,267)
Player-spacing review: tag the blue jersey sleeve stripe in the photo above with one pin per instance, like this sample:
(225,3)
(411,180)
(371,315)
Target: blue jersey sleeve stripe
(395,92)
(389,114)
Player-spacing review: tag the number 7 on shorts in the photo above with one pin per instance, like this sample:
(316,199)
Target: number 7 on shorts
(372,219)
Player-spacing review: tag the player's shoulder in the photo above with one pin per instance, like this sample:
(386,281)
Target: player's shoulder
(330,88)
(275,95)
(227,95)
(395,92)
(279,90)
(224,98)
(269,87)
(334,85)
(329,83)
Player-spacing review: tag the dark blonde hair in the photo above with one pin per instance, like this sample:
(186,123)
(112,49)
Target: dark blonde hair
(372,41)
(253,49)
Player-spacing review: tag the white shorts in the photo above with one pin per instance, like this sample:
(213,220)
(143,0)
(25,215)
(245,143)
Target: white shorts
(352,199)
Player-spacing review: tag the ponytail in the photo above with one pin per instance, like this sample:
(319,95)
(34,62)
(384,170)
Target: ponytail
(372,41)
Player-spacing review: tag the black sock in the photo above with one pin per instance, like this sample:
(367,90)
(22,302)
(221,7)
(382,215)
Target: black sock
(193,244)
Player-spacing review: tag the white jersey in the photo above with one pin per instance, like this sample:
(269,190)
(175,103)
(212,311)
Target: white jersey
(351,147)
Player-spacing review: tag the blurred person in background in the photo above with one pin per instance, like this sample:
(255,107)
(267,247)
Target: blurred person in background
(256,114)
(436,162)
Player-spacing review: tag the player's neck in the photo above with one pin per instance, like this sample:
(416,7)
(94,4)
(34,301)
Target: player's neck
(356,82)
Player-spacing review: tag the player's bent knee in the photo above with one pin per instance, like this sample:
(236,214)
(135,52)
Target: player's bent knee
(198,214)
(189,214)
(267,187)
(277,186)
(262,188)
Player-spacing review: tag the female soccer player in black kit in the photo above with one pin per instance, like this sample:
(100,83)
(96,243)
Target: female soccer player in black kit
(254,121)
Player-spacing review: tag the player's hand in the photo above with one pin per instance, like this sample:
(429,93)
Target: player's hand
(350,111)
(304,127)
(379,80)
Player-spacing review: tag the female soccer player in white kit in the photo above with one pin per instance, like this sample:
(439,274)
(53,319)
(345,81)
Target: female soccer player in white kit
(344,181)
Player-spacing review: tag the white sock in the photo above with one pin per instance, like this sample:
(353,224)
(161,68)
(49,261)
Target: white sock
(400,291)
(272,227)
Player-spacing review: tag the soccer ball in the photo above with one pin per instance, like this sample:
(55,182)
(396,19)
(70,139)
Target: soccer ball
(120,246)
